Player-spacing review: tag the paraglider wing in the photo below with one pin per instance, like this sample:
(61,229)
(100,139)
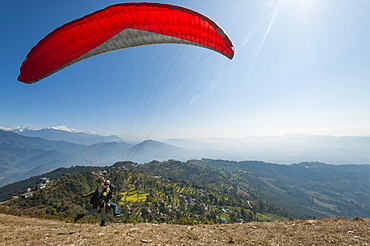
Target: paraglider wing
(121,26)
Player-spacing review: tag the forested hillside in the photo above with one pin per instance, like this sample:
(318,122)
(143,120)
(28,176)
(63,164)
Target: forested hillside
(171,192)
(8,190)
(203,191)
(314,189)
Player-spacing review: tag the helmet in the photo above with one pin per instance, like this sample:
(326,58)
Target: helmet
(107,182)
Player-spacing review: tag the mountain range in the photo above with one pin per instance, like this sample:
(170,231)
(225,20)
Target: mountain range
(26,151)
(24,156)
(312,188)
(63,133)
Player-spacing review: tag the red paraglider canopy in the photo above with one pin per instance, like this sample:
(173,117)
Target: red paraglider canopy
(121,26)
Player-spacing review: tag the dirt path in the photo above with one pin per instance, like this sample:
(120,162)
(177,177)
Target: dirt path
(30,231)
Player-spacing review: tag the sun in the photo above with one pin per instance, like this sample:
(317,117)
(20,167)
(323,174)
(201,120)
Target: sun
(301,9)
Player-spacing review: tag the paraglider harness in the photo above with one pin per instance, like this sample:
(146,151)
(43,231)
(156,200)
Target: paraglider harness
(97,198)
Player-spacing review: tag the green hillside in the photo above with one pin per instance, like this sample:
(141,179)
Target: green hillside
(170,192)
(306,189)
(202,191)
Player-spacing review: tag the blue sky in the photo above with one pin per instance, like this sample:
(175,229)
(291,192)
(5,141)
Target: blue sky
(300,66)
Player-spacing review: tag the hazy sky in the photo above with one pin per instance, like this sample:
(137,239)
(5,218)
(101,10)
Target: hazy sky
(300,66)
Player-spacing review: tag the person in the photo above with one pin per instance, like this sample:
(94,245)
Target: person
(101,202)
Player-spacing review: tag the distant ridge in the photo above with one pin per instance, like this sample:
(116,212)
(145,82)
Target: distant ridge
(286,149)
(23,156)
(63,133)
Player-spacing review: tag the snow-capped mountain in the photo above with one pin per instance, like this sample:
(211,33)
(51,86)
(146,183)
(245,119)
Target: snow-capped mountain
(19,128)
(63,133)
(22,128)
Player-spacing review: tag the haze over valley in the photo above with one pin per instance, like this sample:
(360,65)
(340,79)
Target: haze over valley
(27,151)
